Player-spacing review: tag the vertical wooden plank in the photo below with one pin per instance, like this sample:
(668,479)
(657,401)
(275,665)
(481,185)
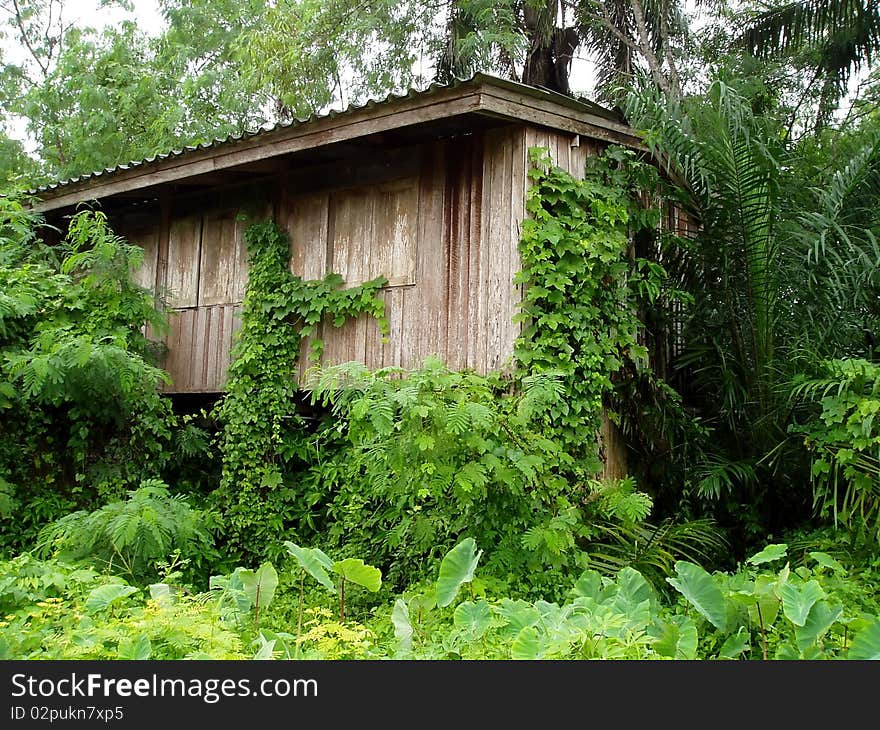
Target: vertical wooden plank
(219,263)
(178,361)
(201,342)
(351,213)
(477,243)
(518,186)
(395,236)
(214,347)
(148,240)
(183,261)
(456,242)
(170,349)
(162,256)
(351,221)
(429,320)
(305,217)
(495,262)
(392,351)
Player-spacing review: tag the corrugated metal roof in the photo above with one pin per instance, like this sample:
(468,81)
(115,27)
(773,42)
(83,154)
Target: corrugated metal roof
(539,92)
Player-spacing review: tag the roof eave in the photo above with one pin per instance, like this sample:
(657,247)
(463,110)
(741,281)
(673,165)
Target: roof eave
(481,94)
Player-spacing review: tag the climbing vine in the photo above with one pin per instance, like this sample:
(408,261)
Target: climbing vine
(264,439)
(583,286)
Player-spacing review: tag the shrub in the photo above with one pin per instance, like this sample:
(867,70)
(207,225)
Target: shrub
(131,536)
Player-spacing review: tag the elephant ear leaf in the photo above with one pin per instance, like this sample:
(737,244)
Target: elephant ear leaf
(866,644)
(359,573)
(106,595)
(456,569)
(260,585)
(769,554)
(403,629)
(699,588)
(797,602)
(314,562)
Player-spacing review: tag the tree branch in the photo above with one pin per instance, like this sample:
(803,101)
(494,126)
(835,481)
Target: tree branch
(24,37)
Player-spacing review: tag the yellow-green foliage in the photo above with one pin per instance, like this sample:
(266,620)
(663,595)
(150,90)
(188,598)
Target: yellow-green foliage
(51,610)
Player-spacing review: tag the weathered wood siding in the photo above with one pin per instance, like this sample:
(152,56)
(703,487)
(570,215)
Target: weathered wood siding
(440,221)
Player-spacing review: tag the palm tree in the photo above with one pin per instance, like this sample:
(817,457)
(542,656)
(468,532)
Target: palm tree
(842,36)
(785,271)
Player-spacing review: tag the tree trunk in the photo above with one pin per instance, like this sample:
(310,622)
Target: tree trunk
(551,49)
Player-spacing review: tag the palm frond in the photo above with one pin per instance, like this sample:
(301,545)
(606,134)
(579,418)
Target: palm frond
(654,549)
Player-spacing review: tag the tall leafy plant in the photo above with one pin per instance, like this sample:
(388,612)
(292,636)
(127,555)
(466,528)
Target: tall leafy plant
(782,273)
(130,537)
(264,440)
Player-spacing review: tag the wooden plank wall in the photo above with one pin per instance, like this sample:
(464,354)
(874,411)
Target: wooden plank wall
(201,274)
(443,228)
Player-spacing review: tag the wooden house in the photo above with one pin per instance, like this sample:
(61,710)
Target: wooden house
(426,189)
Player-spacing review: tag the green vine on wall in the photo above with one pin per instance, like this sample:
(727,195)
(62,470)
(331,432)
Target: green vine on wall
(583,287)
(263,437)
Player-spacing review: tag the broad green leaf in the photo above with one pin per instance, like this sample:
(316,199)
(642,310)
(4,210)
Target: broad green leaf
(315,562)
(260,585)
(474,618)
(734,645)
(588,585)
(518,614)
(267,647)
(283,642)
(139,648)
(820,619)
(769,554)
(403,629)
(797,602)
(527,645)
(422,602)
(701,591)
(359,573)
(633,588)
(104,596)
(456,569)
(161,594)
(826,561)
(787,651)
(676,639)
(766,600)
(866,644)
